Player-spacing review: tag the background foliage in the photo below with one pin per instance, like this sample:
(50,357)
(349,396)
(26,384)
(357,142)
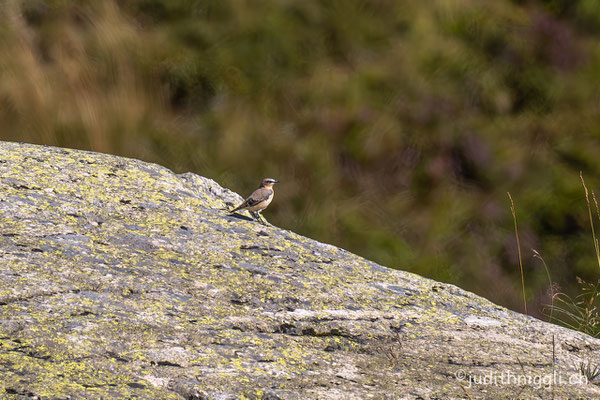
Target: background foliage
(396,127)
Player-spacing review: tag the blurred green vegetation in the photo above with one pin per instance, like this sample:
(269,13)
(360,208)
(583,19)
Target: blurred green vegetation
(396,127)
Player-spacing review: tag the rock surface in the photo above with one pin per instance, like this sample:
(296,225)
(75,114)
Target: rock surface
(120,279)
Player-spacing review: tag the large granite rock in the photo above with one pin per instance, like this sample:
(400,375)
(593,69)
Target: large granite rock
(120,279)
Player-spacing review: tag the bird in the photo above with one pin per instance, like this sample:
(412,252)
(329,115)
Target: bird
(258,200)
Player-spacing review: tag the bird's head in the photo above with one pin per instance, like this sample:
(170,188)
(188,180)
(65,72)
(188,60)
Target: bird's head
(268,183)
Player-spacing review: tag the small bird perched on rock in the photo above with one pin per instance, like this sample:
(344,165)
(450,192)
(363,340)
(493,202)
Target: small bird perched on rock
(258,200)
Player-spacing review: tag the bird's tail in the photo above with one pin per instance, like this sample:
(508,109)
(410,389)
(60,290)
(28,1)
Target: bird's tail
(236,209)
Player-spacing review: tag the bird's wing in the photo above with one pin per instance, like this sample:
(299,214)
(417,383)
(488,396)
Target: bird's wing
(259,195)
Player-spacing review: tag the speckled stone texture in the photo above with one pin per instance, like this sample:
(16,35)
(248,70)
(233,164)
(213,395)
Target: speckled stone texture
(120,279)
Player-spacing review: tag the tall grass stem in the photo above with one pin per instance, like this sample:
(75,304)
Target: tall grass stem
(514,214)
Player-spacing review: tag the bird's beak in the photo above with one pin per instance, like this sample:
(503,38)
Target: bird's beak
(275,181)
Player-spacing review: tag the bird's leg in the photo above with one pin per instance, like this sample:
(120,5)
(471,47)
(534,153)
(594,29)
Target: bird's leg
(255,215)
(259,217)
(263,220)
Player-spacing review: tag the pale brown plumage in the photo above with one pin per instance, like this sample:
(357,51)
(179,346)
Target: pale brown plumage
(259,199)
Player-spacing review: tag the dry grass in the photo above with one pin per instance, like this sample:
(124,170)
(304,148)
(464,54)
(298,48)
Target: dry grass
(581,312)
(589,207)
(79,85)
(514,214)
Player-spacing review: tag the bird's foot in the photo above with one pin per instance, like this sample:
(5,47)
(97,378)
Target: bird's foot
(265,222)
(258,217)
